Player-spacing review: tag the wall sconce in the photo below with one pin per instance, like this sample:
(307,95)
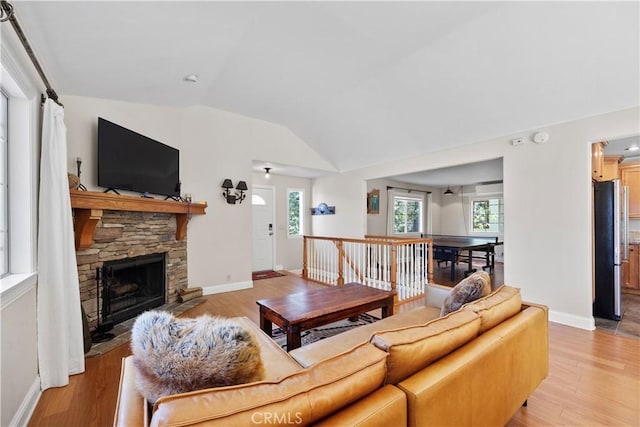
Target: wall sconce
(266,172)
(238,196)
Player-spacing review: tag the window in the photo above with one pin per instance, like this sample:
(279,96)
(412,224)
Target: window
(295,199)
(18,166)
(487,215)
(4,199)
(407,213)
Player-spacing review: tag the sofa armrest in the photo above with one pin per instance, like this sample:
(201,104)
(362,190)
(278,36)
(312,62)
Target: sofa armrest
(434,294)
(131,407)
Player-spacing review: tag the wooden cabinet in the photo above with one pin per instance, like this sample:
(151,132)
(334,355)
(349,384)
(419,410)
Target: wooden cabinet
(630,176)
(597,160)
(610,168)
(631,269)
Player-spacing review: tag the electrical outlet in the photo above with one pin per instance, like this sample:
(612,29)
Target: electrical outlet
(517,141)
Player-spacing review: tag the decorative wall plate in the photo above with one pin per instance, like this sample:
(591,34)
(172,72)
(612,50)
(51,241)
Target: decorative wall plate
(323,209)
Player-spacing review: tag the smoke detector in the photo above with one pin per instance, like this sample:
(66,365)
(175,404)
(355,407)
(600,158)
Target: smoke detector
(191,78)
(540,137)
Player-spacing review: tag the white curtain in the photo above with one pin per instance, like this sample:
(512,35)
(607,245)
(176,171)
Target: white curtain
(60,339)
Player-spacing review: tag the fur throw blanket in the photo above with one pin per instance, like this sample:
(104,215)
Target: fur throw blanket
(173,355)
(470,289)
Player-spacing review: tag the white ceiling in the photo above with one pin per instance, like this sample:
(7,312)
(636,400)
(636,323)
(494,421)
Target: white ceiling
(486,172)
(620,147)
(361,82)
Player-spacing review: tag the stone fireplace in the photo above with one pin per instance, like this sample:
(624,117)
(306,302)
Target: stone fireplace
(126,229)
(124,235)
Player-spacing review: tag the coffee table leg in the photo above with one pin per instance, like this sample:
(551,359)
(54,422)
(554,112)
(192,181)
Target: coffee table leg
(387,310)
(293,338)
(265,324)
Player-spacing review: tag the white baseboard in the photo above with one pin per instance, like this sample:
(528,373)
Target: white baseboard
(227,287)
(296,271)
(587,323)
(28,405)
(279,268)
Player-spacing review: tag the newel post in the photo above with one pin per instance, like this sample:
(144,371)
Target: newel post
(394,269)
(305,272)
(430,263)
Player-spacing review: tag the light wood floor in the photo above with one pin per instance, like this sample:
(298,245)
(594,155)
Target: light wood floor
(593,376)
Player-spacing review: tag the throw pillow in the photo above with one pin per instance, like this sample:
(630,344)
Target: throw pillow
(173,355)
(469,289)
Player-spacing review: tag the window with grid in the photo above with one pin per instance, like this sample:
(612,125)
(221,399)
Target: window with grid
(4,200)
(487,215)
(295,218)
(407,214)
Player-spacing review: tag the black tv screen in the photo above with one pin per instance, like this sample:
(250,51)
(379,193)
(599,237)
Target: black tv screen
(134,162)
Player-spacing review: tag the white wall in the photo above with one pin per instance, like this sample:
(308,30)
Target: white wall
(288,249)
(19,361)
(547,196)
(213,145)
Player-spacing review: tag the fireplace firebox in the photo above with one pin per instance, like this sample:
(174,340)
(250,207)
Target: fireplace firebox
(130,286)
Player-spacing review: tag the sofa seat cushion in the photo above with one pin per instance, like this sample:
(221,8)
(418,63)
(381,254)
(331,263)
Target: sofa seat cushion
(496,307)
(277,362)
(412,348)
(312,353)
(303,397)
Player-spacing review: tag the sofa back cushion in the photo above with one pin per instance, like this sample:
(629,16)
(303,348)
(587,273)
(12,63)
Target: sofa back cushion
(300,398)
(414,347)
(499,305)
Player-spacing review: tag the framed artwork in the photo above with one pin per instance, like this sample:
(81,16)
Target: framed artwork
(373,201)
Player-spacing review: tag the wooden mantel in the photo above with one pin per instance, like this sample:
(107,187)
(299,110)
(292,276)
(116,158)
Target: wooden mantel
(89,205)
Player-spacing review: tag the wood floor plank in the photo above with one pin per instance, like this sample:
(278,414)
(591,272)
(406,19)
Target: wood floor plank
(593,376)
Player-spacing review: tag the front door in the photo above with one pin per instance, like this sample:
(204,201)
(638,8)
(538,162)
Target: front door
(263,228)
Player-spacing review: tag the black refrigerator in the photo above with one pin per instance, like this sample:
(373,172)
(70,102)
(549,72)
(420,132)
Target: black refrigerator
(610,247)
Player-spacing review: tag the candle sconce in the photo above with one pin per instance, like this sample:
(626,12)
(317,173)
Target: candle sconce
(236,197)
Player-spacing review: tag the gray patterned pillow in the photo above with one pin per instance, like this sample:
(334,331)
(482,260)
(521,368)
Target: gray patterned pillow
(469,289)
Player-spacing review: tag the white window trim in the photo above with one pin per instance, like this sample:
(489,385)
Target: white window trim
(302,221)
(24,133)
(392,193)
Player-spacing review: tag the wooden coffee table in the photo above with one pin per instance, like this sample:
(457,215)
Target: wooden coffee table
(305,310)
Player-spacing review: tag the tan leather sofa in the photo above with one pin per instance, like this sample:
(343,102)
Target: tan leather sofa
(476,366)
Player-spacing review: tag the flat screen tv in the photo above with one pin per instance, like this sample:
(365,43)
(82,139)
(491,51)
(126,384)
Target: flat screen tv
(133,162)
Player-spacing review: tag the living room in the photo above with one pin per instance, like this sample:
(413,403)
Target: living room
(547,187)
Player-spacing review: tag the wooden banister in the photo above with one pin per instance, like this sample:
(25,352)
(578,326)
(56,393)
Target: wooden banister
(404,265)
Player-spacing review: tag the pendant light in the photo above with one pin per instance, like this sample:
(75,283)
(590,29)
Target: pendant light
(448,192)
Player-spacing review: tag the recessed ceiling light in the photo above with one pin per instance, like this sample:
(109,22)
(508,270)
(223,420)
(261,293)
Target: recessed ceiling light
(191,78)
(634,147)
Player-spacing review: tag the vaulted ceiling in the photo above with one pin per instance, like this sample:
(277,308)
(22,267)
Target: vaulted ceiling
(361,82)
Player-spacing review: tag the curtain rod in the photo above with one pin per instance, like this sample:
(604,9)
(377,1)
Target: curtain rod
(407,189)
(7,14)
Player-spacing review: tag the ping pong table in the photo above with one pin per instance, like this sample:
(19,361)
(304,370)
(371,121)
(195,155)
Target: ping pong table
(452,248)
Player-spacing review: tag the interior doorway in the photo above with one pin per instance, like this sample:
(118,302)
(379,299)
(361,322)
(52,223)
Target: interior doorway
(262,202)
